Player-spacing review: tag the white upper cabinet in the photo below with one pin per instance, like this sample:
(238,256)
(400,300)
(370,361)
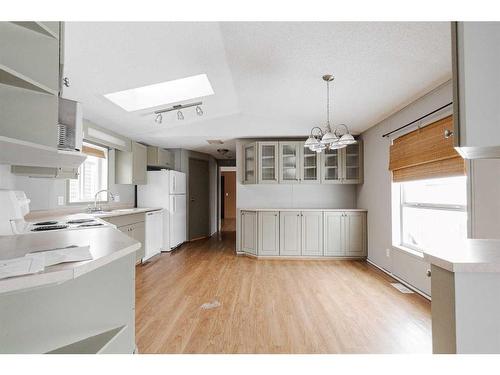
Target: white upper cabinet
(268,162)
(352,164)
(331,166)
(476,81)
(311,166)
(250,164)
(268,233)
(29,82)
(290,162)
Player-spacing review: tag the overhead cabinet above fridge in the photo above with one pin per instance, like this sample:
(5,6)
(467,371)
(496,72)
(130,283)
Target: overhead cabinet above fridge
(289,162)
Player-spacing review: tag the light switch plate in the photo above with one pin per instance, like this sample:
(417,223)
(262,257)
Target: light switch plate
(60,200)
(388,253)
(117,198)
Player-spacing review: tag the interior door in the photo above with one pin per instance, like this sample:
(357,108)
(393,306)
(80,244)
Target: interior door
(229,194)
(199,218)
(334,233)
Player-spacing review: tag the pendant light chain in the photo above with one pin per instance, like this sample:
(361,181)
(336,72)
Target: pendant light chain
(328,103)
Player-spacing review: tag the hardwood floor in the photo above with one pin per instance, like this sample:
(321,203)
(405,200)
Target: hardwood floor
(272,306)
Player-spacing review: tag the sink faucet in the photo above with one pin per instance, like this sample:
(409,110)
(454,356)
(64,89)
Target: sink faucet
(98,208)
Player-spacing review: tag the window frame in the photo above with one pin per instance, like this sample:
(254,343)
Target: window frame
(426,206)
(68,182)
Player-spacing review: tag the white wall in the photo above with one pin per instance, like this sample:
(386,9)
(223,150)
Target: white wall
(43,192)
(375,193)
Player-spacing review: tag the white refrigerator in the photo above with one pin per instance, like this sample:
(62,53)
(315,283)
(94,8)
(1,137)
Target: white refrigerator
(167,189)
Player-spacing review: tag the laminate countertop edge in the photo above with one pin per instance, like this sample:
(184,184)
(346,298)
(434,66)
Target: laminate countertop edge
(107,245)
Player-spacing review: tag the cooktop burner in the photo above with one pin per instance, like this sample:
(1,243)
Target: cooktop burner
(46,223)
(80,221)
(90,225)
(48,227)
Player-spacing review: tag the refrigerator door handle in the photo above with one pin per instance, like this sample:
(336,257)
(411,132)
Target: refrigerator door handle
(175,208)
(173,178)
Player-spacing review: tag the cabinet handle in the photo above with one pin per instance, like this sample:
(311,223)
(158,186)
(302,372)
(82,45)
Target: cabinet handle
(428,273)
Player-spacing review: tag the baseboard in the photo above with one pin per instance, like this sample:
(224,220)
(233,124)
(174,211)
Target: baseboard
(400,280)
(282,257)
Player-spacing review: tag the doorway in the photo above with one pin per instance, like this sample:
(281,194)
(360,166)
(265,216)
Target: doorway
(199,218)
(228,200)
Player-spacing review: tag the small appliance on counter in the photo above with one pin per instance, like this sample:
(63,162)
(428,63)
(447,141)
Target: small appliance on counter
(15,206)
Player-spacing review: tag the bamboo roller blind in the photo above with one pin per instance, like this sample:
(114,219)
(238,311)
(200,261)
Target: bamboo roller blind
(426,153)
(91,151)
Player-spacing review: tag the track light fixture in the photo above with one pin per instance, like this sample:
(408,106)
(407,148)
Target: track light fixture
(158,118)
(178,108)
(339,137)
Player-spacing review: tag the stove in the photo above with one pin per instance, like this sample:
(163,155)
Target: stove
(42,228)
(53,225)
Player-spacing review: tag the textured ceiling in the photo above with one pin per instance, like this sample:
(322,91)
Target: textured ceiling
(266,75)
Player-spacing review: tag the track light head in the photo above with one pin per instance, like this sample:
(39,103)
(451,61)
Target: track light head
(199,111)
(180,116)
(158,118)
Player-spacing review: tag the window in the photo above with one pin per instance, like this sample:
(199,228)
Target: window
(433,212)
(93,175)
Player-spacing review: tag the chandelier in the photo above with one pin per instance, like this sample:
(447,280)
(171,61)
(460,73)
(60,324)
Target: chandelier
(323,139)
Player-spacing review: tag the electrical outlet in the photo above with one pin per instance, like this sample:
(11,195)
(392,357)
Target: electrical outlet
(388,253)
(117,198)
(60,200)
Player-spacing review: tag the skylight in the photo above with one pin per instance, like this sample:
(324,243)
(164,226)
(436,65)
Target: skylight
(162,93)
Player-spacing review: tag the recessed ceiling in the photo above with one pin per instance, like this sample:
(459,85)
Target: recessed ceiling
(266,75)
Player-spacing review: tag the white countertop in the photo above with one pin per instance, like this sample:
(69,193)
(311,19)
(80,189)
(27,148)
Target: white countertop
(474,255)
(106,245)
(125,211)
(304,209)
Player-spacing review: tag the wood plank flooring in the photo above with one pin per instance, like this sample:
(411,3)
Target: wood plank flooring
(272,306)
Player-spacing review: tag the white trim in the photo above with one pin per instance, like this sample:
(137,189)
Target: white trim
(400,280)
(227,169)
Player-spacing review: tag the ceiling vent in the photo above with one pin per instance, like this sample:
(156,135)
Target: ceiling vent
(214,141)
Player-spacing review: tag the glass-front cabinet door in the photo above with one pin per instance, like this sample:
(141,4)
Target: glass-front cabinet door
(331,166)
(311,165)
(353,164)
(268,162)
(289,164)
(249,163)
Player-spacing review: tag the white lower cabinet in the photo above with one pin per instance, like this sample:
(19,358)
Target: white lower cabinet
(290,233)
(249,232)
(355,233)
(303,233)
(345,233)
(268,233)
(312,233)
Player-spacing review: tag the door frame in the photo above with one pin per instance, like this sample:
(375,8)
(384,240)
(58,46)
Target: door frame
(219,191)
(188,198)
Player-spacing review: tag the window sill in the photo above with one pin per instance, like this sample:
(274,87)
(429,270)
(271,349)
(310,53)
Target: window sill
(415,253)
